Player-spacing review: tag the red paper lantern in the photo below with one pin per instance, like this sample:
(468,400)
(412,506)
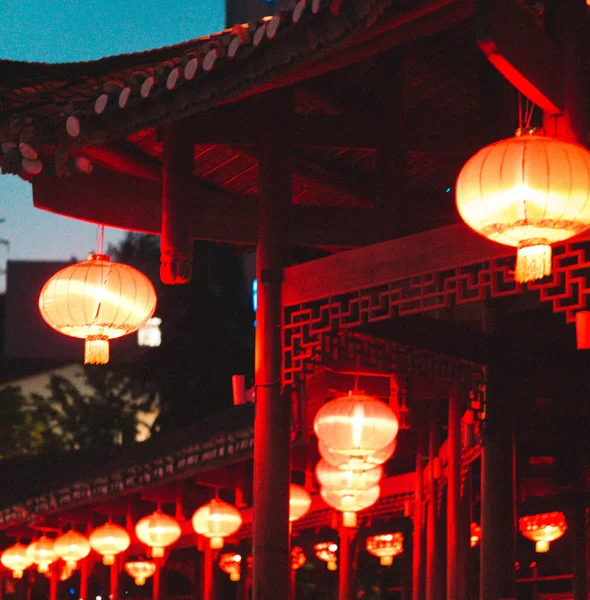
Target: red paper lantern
(475,537)
(109,540)
(345,482)
(16,559)
(97,300)
(346,462)
(216,520)
(157,531)
(356,425)
(326,551)
(528,191)
(298,558)
(543,529)
(72,547)
(140,570)
(350,504)
(42,553)
(385,546)
(230,563)
(299,502)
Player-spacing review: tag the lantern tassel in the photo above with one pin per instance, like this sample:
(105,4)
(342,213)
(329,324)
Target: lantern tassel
(542,546)
(532,262)
(96,350)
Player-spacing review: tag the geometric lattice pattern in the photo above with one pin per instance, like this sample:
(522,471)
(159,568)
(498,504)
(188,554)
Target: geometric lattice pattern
(308,327)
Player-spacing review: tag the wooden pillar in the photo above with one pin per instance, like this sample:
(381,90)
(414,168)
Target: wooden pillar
(346,579)
(406,558)
(293,583)
(209,588)
(434,575)
(53,581)
(498,486)
(464,541)
(418,587)
(114,580)
(454,495)
(176,243)
(580,557)
(157,580)
(84,579)
(272,424)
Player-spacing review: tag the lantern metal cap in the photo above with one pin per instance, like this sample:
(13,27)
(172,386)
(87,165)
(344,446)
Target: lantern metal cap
(96,256)
(522,131)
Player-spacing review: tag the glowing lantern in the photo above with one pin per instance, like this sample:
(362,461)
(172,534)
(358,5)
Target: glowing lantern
(385,546)
(356,425)
(42,553)
(346,482)
(528,191)
(72,547)
(230,563)
(475,535)
(543,529)
(158,531)
(216,519)
(16,560)
(109,540)
(347,462)
(298,558)
(299,502)
(140,570)
(326,551)
(97,300)
(350,504)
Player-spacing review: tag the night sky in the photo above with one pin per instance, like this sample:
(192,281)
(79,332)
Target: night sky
(74,30)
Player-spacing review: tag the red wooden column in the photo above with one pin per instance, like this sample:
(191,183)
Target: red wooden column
(157,580)
(84,579)
(209,588)
(434,573)
(464,541)
(498,486)
(454,495)
(578,517)
(272,425)
(176,243)
(114,580)
(53,582)
(346,579)
(418,587)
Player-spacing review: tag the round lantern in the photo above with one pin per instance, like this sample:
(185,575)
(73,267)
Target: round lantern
(216,520)
(230,563)
(475,537)
(72,547)
(158,531)
(299,502)
(109,540)
(16,560)
(356,425)
(543,529)
(350,504)
(528,191)
(298,558)
(385,546)
(42,553)
(347,462)
(97,300)
(346,482)
(326,551)
(140,570)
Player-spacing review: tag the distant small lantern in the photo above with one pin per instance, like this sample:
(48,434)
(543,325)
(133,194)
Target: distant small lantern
(109,540)
(356,425)
(42,553)
(299,502)
(350,504)
(326,551)
(216,520)
(475,537)
(345,482)
(15,559)
(527,191)
(543,529)
(97,300)
(298,558)
(367,462)
(230,563)
(140,570)
(158,531)
(386,546)
(72,547)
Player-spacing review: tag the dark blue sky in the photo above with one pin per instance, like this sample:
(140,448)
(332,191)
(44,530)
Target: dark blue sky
(74,30)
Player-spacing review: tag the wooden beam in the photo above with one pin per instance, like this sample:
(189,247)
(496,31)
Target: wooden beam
(131,203)
(123,157)
(515,44)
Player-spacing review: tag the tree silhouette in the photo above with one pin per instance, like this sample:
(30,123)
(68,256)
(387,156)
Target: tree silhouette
(21,430)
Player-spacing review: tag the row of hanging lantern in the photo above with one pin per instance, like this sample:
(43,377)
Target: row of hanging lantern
(356,435)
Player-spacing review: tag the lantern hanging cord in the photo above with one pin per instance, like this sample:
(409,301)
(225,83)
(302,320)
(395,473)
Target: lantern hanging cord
(525,114)
(100,239)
